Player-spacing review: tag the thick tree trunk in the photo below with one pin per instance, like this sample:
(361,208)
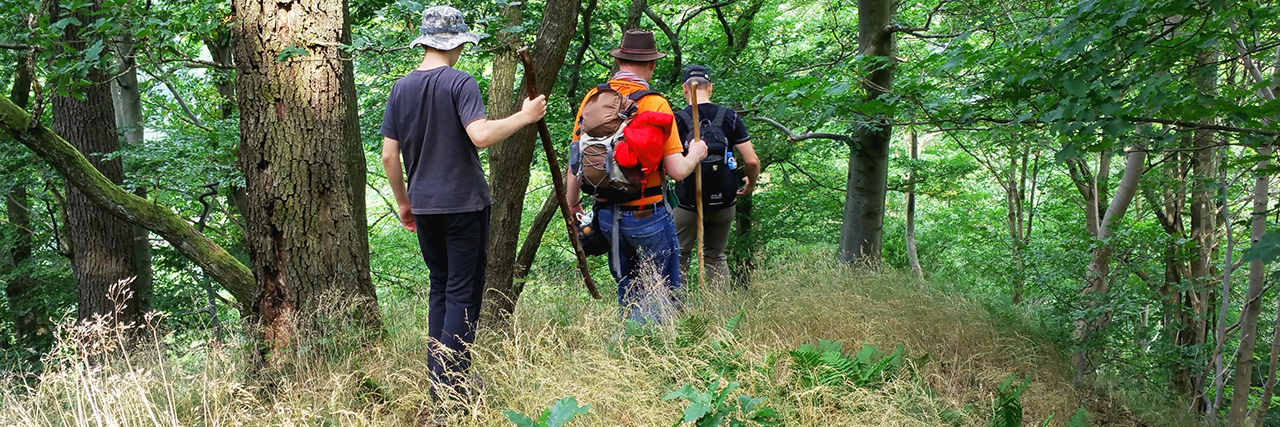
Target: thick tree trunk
(509,162)
(303,164)
(912,257)
(861,232)
(103,244)
(1253,298)
(77,170)
(127,99)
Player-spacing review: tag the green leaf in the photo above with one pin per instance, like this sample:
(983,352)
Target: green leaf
(1080,419)
(686,392)
(1077,86)
(290,52)
(1266,249)
(93,52)
(695,411)
(564,410)
(519,419)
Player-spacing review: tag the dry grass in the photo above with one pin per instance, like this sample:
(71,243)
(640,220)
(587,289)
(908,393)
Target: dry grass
(561,344)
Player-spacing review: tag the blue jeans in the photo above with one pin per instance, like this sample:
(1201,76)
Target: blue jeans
(455,248)
(644,241)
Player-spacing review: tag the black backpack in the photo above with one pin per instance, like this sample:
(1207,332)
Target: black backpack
(719,179)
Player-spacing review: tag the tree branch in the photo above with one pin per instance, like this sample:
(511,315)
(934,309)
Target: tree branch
(791,136)
(812,178)
(76,170)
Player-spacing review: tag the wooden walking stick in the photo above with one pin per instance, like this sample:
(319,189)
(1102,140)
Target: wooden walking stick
(557,178)
(697,190)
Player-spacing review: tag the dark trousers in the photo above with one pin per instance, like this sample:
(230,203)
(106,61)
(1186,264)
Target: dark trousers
(455,247)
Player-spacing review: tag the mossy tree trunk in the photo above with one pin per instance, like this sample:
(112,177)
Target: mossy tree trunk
(303,164)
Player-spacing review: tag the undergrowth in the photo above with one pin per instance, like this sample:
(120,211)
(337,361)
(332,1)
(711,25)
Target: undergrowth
(773,354)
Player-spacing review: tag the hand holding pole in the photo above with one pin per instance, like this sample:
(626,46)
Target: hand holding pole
(557,177)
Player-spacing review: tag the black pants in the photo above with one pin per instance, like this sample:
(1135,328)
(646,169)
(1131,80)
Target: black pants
(455,247)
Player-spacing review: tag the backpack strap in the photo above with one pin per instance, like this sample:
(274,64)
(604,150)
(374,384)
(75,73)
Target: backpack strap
(635,96)
(720,118)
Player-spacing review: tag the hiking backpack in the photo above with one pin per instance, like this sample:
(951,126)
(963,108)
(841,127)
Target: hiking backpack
(604,115)
(719,177)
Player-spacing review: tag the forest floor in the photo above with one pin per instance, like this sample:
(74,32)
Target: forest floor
(957,354)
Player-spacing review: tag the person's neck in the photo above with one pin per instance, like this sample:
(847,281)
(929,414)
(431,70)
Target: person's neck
(433,60)
(643,73)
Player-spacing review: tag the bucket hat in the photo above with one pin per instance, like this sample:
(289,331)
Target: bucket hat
(638,46)
(443,28)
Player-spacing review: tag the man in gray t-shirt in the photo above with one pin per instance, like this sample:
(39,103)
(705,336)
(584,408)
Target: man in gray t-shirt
(435,120)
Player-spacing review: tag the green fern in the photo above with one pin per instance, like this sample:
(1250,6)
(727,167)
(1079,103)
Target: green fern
(691,330)
(731,325)
(826,364)
(1007,409)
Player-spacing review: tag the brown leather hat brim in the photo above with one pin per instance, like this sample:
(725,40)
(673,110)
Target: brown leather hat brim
(637,57)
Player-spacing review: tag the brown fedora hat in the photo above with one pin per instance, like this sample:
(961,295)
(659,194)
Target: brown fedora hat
(638,46)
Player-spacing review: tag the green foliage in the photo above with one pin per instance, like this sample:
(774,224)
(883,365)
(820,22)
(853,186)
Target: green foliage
(1006,411)
(558,415)
(826,364)
(718,406)
(1080,419)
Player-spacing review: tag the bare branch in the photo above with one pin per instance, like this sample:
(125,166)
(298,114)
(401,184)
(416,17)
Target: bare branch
(791,136)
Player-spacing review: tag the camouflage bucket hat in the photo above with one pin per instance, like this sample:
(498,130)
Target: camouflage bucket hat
(443,28)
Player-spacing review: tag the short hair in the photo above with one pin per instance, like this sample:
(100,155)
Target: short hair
(702,83)
(627,62)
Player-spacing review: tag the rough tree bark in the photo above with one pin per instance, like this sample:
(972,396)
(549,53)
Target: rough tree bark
(16,124)
(1204,232)
(303,164)
(508,201)
(861,232)
(103,243)
(509,162)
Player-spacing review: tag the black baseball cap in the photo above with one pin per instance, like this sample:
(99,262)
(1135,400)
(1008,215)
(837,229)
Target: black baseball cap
(696,71)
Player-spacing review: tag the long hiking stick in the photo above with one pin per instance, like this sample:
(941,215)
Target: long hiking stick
(697,190)
(557,178)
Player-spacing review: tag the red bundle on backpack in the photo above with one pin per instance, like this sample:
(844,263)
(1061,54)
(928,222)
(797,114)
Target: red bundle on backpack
(643,141)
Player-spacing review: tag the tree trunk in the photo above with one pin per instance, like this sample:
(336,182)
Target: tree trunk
(509,162)
(127,99)
(634,14)
(103,244)
(575,74)
(1204,169)
(1253,297)
(1270,385)
(77,170)
(504,165)
(1096,277)
(912,257)
(861,232)
(532,240)
(304,165)
(26,313)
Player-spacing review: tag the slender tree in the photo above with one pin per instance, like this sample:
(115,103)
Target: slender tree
(509,162)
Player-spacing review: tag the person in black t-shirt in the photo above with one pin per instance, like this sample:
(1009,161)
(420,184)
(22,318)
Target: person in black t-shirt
(435,120)
(724,132)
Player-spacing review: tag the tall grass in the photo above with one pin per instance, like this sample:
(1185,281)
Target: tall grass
(560,343)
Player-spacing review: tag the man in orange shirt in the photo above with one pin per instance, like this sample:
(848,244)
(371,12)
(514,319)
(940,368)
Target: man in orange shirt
(646,230)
